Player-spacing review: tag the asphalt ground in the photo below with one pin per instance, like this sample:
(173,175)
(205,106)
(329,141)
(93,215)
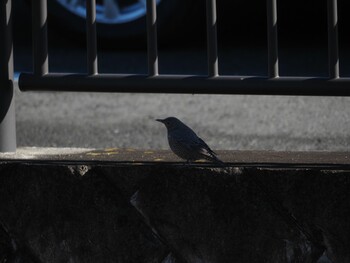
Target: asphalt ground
(225,122)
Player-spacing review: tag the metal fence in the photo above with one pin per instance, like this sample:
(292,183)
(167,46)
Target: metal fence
(153,82)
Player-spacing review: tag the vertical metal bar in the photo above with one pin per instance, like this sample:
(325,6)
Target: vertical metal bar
(91,43)
(212,39)
(152,49)
(7,102)
(39,27)
(272,40)
(333,53)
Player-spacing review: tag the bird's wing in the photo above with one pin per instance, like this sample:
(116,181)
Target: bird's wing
(205,149)
(185,142)
(193,143)
(209,153)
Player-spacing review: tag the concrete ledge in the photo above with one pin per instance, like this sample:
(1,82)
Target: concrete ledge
(93,206)
(116,155)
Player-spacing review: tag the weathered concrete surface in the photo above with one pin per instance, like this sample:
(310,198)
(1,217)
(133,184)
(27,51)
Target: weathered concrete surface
(137,156)
(165,212)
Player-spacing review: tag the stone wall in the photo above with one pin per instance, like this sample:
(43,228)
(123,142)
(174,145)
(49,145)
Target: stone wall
(162,213)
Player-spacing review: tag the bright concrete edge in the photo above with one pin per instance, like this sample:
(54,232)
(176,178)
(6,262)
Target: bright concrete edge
(37,152)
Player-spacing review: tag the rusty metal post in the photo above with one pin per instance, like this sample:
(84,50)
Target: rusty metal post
(7,102)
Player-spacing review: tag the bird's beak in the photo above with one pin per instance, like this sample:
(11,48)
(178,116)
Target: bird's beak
(160,120)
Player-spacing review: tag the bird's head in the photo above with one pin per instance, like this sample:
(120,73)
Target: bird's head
(171,123)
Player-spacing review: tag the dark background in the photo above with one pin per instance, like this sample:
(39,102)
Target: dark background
(241,24)
(224,122)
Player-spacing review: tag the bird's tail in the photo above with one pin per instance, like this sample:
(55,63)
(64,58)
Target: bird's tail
(216,160)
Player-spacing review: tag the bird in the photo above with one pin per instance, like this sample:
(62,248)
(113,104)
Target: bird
(185,143)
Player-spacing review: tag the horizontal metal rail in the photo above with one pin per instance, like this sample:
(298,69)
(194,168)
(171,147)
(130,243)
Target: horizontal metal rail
(186,84)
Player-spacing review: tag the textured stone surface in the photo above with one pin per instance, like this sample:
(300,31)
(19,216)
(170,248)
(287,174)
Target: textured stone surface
(64,217)
(100,212)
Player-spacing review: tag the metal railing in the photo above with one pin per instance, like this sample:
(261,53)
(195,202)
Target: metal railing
(153,82)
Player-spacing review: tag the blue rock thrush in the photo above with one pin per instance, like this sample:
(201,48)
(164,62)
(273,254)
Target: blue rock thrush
(185,143)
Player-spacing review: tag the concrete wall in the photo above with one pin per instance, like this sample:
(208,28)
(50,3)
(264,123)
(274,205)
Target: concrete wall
(171,213)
